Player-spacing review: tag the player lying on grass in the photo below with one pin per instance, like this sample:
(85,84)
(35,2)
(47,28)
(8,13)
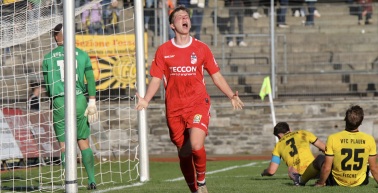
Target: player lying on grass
(294,149)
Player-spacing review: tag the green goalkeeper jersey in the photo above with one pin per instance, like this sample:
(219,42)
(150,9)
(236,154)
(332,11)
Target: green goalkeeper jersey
(53,72)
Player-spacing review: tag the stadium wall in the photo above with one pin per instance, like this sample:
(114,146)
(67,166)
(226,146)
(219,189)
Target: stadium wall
(250,131)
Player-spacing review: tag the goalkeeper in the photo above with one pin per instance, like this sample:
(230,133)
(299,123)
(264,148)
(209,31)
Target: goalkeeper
(294,149)
(53,74)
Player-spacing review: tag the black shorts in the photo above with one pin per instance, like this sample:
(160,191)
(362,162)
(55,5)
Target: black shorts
(332,182)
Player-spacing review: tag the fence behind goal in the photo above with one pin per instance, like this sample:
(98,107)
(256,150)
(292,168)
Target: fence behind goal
(29,152)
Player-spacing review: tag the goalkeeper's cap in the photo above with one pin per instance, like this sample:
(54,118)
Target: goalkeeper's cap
(281,127)
(57,29)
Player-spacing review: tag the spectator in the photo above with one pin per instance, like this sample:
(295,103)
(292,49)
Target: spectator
(365,9)
(197,16)
(86,113)
(197,7)
(34,98)
(148,13)
(299,11)
(112,12)
(253,11)
(34,10)
(171,4)
(311,12)
(297,8)
(79,3)
(295,146)
(34,7)
(236,11)
(187,101)
(281,14)
(128,3)
(92,19)
(316,13)
(348,154)
(105,4)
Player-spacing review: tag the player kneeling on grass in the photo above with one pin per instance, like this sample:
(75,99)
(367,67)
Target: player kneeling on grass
(347,154)
(53,74)
(294,149)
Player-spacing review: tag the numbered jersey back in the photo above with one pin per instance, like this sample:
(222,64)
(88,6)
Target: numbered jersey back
(351,151)
(294,149)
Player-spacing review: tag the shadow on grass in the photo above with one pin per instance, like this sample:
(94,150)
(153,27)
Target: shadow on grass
(266,178)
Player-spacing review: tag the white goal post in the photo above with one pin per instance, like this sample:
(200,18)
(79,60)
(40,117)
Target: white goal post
(29,152)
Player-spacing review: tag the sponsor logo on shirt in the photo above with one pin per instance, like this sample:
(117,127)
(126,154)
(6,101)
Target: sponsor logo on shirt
(176,69)
(193,58)
(60,54)
(197,118)
(169,56)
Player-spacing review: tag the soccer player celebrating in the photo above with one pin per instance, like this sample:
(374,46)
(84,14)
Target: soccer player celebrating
(294,149)
(53,74)
(181,62)
(347,154)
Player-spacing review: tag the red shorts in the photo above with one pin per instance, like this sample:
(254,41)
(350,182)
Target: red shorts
(197,117)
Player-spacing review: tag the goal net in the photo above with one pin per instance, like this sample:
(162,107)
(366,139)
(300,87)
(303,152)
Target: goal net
(29,152)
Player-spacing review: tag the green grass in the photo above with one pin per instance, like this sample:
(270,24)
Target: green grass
(222,176)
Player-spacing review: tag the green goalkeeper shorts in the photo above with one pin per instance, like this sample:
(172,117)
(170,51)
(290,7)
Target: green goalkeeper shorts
(83,130)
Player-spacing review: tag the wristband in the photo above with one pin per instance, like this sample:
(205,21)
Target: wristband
(92,101)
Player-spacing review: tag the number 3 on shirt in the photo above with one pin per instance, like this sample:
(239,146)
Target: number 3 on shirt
(293,146)
(60,64)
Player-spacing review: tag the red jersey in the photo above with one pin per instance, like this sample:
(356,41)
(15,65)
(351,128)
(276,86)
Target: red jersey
(182,70)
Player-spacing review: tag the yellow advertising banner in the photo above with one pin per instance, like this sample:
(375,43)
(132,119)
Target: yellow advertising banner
(113,59)
(5,2)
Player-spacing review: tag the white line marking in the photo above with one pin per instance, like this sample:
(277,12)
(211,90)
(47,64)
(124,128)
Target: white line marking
(216,171)
(176,179)
(119,187)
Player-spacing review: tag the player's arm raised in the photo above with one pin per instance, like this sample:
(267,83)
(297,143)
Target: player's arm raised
(222,84)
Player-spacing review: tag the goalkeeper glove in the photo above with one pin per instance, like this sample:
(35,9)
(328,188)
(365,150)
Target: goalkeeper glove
(91,111)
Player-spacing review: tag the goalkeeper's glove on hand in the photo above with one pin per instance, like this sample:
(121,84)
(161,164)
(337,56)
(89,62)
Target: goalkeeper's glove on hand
(91,111)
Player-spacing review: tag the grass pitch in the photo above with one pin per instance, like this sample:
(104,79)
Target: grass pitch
(222,177)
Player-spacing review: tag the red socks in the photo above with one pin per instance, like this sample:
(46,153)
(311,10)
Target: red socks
(192,165)
(199,159)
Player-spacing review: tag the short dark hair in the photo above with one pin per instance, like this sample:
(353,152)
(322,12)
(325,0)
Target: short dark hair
(353,117)
(56,30)
(281,127)
(178,8)
(35,84)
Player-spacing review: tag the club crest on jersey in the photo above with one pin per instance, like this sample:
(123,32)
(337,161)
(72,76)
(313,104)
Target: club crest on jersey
(197,118)
(193,58)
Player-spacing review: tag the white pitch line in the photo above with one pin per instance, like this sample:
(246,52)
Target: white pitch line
(176,179)
(216,171)
(119,187)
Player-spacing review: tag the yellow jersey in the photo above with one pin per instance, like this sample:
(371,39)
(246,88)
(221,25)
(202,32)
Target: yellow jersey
(294,149)
(351,151)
